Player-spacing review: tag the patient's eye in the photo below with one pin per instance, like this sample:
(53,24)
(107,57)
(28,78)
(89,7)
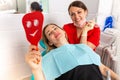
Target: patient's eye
(49,33)
(52,31)
(55,28)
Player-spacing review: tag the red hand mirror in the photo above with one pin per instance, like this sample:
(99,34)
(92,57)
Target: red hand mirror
(32,23)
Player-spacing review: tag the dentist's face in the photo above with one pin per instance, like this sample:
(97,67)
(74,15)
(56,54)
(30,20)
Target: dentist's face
(78,15)
(54,34)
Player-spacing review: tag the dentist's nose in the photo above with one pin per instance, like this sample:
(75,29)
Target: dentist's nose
(76,16)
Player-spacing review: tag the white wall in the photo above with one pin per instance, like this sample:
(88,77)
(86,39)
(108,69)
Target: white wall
(11,5)
(7,4)
(104,10)
(21,6)
(13,46)
(116,13)
(13,43)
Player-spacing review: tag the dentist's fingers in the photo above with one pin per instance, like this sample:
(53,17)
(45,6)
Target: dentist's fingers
(91,24)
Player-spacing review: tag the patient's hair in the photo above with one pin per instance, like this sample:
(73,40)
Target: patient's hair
(45,39)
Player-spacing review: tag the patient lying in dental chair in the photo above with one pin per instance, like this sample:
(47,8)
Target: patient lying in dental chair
(65,61)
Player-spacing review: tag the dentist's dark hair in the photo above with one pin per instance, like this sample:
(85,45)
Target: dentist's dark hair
(35,6)
(78,4)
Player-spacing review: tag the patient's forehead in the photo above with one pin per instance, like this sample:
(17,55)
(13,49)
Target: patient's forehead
(49,28)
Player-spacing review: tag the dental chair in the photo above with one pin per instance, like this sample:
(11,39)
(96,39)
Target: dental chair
(108,49)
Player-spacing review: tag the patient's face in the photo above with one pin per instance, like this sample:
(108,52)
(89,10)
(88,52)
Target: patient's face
(54,33)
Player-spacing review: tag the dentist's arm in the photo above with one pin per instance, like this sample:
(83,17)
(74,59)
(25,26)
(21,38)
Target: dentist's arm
(89,26)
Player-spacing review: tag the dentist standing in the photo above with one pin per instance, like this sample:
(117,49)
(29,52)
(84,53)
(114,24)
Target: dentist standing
(77,31)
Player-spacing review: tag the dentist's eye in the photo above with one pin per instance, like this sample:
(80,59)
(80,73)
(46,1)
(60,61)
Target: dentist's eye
(72,14)
(79,12)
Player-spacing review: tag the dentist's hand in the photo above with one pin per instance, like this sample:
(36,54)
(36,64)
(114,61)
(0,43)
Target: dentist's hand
(90,25)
